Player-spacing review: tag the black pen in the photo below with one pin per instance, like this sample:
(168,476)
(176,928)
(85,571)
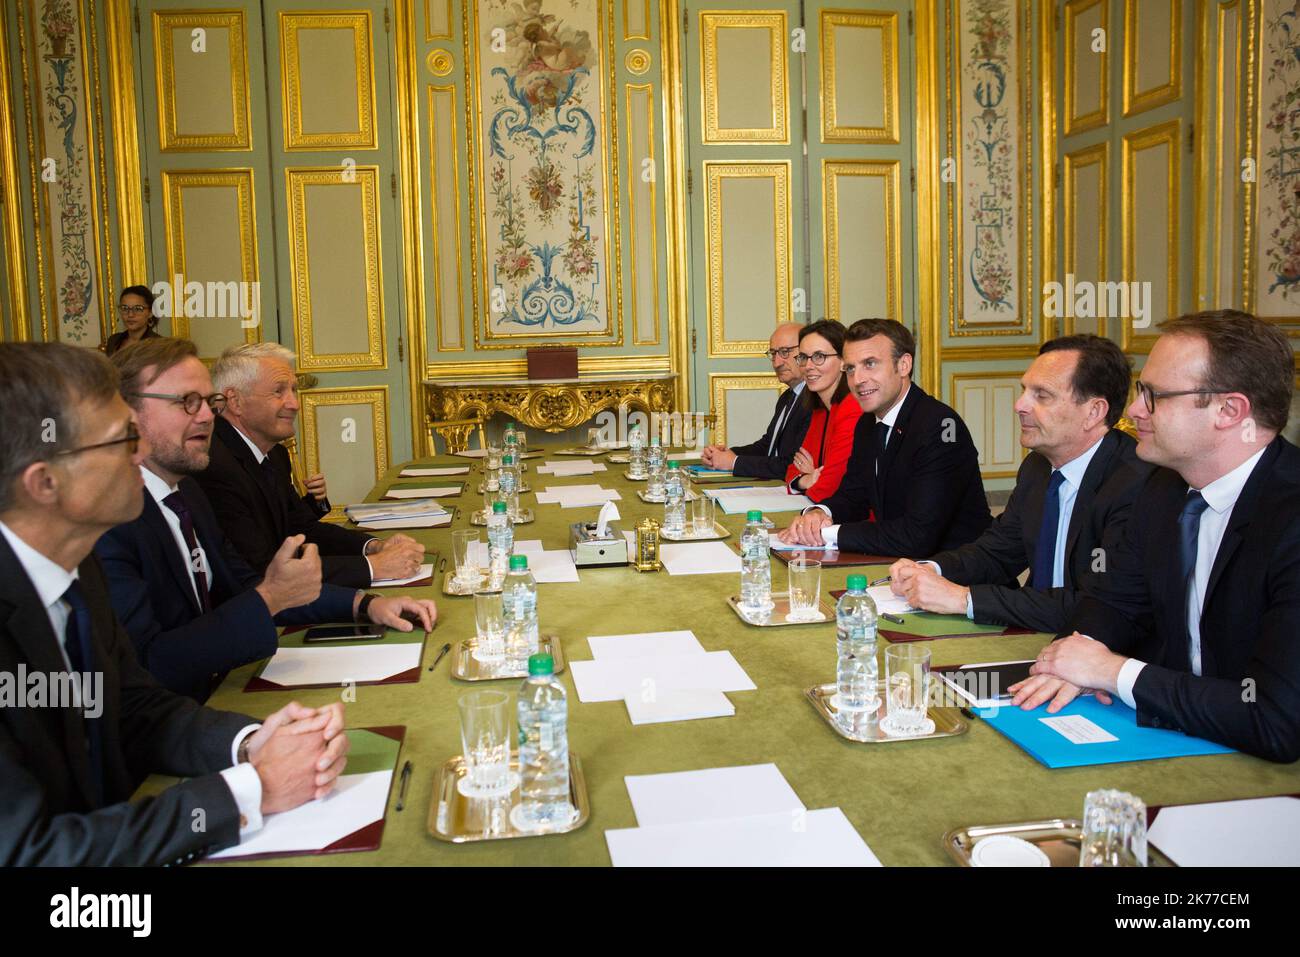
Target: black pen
(445,648)
(406,779)
(968,713)
(894,618)
(880,581)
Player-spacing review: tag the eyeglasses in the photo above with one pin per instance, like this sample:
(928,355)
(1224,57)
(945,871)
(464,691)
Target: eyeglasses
(817,358)
(191,402)
(131,440)
(132,310)
(1149,395)
(785,353)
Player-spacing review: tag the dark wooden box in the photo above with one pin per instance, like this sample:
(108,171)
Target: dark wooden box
(553,362)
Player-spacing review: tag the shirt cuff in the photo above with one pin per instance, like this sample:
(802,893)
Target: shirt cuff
(246,788)
(1128,675)
(831,536)
(244,732)
(933,565)
(819,507)
(970,603)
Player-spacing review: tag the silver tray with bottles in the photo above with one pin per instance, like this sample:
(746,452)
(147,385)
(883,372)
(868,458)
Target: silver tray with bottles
(718,531)
(776,617)
(525,516)
(457,819)
(468,668)
(864,726)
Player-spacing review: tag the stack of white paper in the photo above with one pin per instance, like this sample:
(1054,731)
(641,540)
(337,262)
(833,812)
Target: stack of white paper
(735,501)
(422,513)
(1260,832)
(425,492)
(887,602)
(423,472)
(548,567)
(777,545)
(576,496)
(424,574)
(699,558)
(571,467)
(744,816)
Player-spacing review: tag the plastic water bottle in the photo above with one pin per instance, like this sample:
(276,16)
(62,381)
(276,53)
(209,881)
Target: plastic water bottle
(674,501)
(501,542)
(755,564)
(543,750)
(636,453)
(855,645)
(508,482)
(511,440)
(519,601)
(655,469)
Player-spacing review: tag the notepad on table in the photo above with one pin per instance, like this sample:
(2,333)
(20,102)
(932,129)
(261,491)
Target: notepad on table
(425,573)
(1255,832)
(429,472)
(699,558)
(321,667)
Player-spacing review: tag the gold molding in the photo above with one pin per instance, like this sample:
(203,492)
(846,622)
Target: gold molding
(428,20)
(435,219)
(775,23)
(553,407)
(1135,100)
(720,383)
(637,61)
(675,169)
(34,180)
(778,171)
(953,379)
(1028,352)
(358,22)
(365,178)
(887,24)
(374,396)
(1047,150)
(888,170)
(518,368)
(440,62)
(1168,134)
(1079,123)
(169,140)
(633,179)
(126,141)
(12,225)
(644,34)
(929,190)
(1095,155)
(174,183)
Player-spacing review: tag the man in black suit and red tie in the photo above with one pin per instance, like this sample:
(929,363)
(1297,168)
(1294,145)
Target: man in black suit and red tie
(1194,622)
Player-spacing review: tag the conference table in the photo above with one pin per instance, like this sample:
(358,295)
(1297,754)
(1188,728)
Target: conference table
(902,797)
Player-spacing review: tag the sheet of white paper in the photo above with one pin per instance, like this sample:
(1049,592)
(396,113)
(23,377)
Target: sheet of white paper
(421,492)
(429,521)
(422,472)
(528,546)
(681,705)
(1077,729)
(699,558)
(777,545)
(613,679)
(683,796)
(426,570)
(1261,832)
(577,496)
(292,667)
(821,838)
(645,645)
(888,602)
(684,456)
(550,567)
(357,800)
(472,454)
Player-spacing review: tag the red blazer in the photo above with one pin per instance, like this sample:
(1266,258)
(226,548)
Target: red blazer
(829,447)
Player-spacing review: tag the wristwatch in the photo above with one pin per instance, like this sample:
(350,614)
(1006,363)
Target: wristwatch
(366,599)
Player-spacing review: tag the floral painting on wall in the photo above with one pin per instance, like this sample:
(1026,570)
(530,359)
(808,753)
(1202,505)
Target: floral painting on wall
(543,194)
(1277,269)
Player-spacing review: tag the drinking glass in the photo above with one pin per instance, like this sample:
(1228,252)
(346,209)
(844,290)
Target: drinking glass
(1114,830)
(907,684)
(494,456)
(490,627)
(485,737)
(593,438)
(805,589)
(702,514)
(464,550)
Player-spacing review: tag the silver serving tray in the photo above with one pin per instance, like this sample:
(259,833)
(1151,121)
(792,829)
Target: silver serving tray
(523,489)
(1058,838)
(659,499)
(468,668)
(525,516)
(457,819)
(864,727)
(719,531)
(781,607)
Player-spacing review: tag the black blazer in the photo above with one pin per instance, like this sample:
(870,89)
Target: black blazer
(189,652)
(927,495)
(991,563)
(118,339)
(257,519)
(1248,693)
(48,812)
(752,461)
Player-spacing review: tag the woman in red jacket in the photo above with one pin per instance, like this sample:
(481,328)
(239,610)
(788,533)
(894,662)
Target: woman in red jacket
(819,464)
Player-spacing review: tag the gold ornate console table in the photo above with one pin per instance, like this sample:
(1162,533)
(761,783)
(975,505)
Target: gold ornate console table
(549,404)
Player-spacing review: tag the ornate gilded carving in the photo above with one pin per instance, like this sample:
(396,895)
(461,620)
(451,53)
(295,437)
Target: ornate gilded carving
(552,408)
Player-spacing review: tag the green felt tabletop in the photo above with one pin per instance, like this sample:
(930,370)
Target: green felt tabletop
(902,797)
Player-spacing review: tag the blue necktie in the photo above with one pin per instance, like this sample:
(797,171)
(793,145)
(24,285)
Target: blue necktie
(82,659)
(1042,573)
(1189,527)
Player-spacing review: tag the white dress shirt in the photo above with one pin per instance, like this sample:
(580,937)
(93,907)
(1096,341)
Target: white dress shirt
(797,389)
(51,580)
(1221,496)
(831,533)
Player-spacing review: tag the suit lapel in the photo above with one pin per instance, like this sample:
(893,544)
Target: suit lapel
(252,468)
(1243,512)
(154,519)
(897,436)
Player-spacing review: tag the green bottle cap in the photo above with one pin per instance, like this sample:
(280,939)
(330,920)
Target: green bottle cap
(754,515)
(498,508)
(518,563)
(856,582)
(507,459)
(540,664)
(672,464)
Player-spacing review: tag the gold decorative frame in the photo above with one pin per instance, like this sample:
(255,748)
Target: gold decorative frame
(171,141)
(671,49)
(1095,155)
(518,368)
(637,61)
(633,181)
(1135,100)
(887,24)
(175,182)
(775,23)
(628,33)
(440,62)
(126,140)
(435,217)
(720,383)
(358,22)
(552,407)
(953,379)
(429,33)
(1167,134)
(714,173)
(374,396)
(12,224)
(888,170)
(1081,122)
(297,179)
(929,193)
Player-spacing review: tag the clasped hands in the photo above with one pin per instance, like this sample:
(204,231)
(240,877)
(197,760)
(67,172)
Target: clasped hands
(298,754)
(397,557)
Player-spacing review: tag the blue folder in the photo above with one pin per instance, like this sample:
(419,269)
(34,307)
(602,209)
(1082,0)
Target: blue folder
(1135,743)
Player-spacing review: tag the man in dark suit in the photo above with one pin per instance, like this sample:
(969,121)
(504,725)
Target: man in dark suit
(248,478)
(1195,619)
(1072,497)
(70,761)
(192,606)
(770,456)
(913,483)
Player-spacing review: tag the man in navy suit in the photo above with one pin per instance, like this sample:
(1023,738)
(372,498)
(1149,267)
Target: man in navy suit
(193,607)
(1193,624)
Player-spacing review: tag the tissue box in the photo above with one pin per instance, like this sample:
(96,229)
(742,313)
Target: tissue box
(588,551)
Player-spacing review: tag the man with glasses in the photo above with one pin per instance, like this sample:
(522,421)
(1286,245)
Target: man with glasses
(1194,622)
(192,606)
(248,479)
(771,455)
(69,470)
